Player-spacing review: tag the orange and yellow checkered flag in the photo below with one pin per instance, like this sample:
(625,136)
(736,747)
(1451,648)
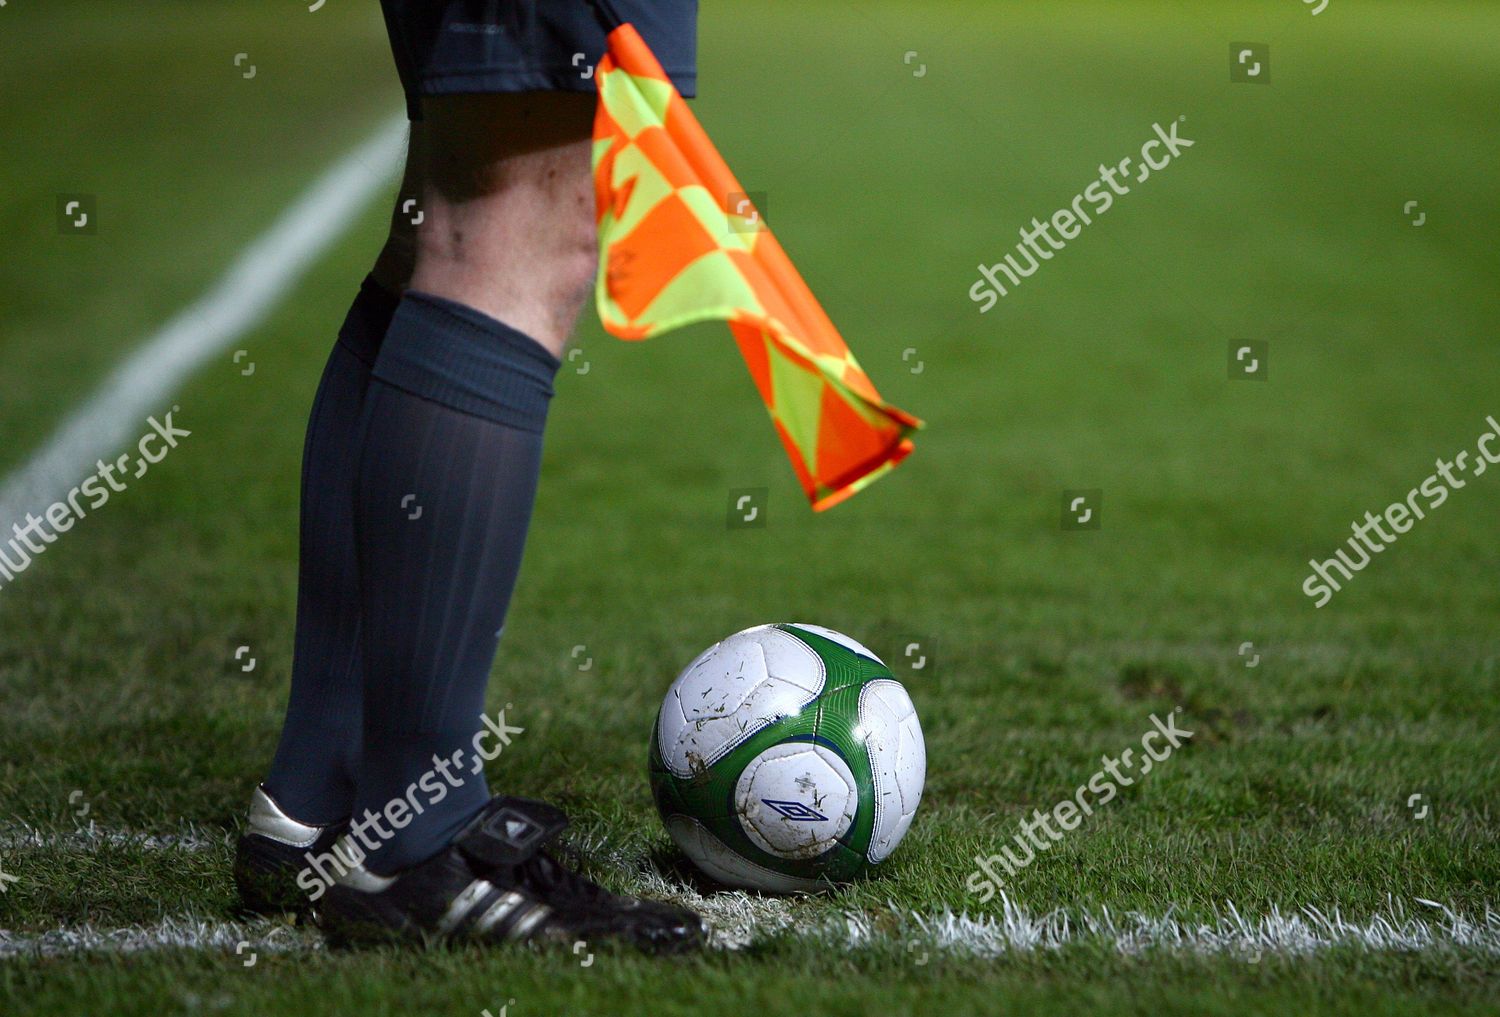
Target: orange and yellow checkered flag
(669,257)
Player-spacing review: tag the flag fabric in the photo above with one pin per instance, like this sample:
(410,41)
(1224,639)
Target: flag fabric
(673,252)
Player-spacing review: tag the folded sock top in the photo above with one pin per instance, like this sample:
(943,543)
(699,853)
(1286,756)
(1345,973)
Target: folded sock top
(462,358)
(368,320)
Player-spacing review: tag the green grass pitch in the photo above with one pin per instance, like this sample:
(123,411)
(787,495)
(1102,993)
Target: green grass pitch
(1353,768)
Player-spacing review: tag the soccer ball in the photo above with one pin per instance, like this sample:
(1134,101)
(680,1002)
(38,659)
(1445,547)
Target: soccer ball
(787,758)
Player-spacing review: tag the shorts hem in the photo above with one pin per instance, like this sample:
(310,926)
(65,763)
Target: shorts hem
(563,80)
(492,83)
(512,81)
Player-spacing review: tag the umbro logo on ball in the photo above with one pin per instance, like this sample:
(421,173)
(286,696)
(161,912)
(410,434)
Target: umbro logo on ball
(796,811)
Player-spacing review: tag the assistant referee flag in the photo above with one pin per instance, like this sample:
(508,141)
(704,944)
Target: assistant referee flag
(673,251)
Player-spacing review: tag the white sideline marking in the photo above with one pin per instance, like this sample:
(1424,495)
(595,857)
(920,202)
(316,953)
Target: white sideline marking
(262,935)
(739,919)
(246,293)
(1303,931)
(91,838)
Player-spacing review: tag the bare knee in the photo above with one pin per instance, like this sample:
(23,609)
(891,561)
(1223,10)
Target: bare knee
(508,209)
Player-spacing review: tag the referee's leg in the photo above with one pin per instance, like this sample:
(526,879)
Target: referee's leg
(504,258)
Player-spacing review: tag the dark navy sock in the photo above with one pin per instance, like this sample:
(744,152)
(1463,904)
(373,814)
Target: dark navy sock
(448,472)
(312,776)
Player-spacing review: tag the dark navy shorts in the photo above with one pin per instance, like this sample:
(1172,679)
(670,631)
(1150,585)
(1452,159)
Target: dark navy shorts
(449,47)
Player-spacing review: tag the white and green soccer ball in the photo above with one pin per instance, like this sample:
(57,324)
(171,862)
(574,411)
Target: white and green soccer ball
(786,758)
